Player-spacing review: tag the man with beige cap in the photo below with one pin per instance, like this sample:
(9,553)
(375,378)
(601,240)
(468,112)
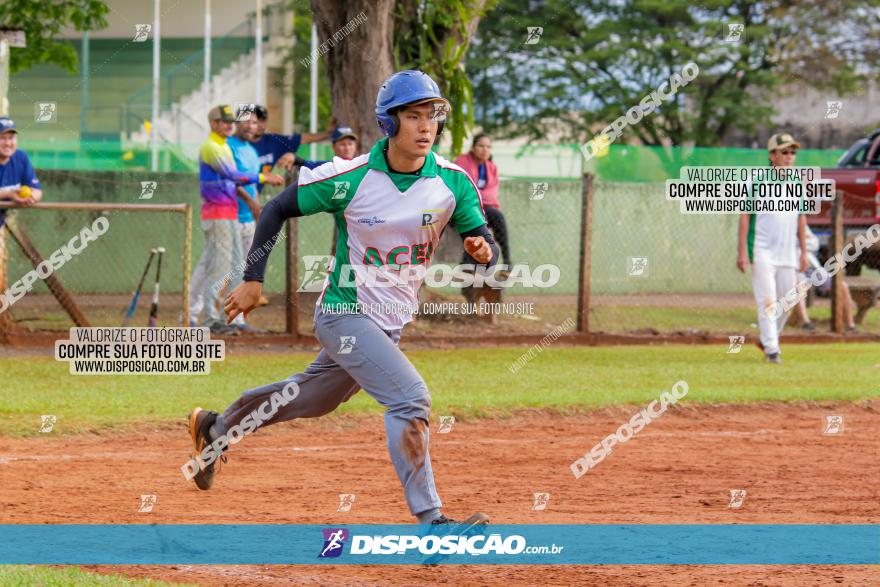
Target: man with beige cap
(769,242)
(219,179)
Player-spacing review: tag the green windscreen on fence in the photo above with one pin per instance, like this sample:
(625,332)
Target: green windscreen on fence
(632,164)
(652,268)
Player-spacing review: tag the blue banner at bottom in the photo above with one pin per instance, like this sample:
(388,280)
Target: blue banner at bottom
(600,544)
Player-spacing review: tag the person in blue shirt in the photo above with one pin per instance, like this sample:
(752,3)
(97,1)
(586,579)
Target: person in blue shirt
(276,150)
(18,182)
(345,146)
(247,161)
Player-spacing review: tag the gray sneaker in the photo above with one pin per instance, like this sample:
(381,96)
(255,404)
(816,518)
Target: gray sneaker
(774,358)
(221,328)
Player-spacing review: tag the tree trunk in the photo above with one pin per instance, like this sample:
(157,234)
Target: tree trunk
(357,63)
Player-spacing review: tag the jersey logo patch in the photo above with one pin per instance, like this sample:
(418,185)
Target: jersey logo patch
(342,188)
(430,217)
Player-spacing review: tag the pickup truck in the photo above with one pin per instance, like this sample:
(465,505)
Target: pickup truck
(857,176)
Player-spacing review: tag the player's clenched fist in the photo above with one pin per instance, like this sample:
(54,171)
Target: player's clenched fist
(478,248)
(244,298)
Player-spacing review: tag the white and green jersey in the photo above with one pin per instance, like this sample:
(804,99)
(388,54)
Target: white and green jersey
(773,238)
(386,222)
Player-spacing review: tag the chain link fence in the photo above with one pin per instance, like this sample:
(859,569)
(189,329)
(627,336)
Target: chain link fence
(651,269)
(79,265)
(658,271)
(543,223)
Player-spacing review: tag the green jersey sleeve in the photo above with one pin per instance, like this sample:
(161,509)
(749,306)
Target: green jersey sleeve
(468,213)
(328,188)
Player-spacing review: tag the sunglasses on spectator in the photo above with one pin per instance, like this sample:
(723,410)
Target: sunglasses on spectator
(792,152)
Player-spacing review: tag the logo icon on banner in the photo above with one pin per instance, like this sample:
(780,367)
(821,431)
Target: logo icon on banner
(736,343)
(346,500)
(541,501)
(833,425)
(334,540)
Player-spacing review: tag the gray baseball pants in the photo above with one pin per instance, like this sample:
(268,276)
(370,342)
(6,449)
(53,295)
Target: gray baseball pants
(357,354)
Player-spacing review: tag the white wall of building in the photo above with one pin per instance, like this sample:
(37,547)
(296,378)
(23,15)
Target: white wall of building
(180,18)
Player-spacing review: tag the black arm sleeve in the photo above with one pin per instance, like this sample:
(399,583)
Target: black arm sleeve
(266,234)
(482,231)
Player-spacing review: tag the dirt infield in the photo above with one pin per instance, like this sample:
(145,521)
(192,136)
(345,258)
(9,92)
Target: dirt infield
(680,469)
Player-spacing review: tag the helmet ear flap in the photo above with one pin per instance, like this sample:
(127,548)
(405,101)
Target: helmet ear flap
(395,120)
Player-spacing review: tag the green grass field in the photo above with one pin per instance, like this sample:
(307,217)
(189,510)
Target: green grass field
(27,576)
(467,382)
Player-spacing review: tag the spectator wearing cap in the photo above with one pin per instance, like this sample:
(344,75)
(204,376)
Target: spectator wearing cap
(247,161)
(774,244)
(18,182)
(219,179)
(479,165)
(345,143)
(279,150)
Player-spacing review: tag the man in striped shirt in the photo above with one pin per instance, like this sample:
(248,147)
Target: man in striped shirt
(219,179)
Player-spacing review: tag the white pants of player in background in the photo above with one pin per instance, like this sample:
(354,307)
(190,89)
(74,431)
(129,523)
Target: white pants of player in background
(221,255)
(770,284)
(245,232)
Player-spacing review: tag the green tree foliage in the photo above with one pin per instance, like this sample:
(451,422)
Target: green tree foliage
(42,22)
(596,59)
(434,37)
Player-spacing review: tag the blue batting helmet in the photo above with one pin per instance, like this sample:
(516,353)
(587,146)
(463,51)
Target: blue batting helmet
(402,88)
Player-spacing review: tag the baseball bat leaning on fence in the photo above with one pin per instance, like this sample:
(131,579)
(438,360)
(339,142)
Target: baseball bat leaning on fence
(154,306)
(137,293)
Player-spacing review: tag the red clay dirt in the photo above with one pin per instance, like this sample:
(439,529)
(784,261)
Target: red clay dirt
(680,469)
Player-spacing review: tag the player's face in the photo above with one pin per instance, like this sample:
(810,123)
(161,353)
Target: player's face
(259,128)
(221,127)
(783,157)
(8,144)
(244,129)
(345,148)
(482,150)
(417,131)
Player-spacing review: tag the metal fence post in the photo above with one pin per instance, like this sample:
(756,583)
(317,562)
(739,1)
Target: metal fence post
(292,272)
(837,239)
(187,260)
(583,308)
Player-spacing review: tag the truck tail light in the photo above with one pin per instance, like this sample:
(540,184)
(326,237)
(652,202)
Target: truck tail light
(877,198)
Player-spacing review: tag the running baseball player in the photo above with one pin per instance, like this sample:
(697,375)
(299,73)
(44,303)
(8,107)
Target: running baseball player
(406,195)
(769,241)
